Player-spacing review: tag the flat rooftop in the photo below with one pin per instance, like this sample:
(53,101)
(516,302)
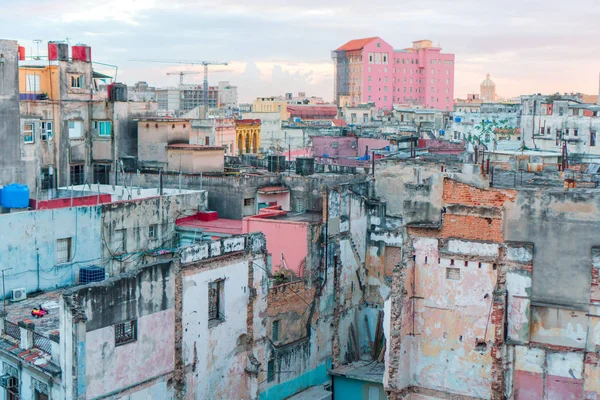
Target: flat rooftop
(20,310)
(299,217)
(119,193)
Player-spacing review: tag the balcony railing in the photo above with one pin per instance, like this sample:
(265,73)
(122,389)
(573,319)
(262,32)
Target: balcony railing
(42,343)
(12,330)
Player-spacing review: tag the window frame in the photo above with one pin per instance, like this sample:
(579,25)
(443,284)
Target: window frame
(76,131)
(77,81)
(69,248)
(28,139)
(100,131)
(46,133)
(122,242)
(101,170)
(74,173)
(216,297)
(121,331)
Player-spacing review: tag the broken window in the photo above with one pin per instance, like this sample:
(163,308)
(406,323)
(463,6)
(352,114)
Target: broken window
(215,301)
(63,250)
(47,132)
(125,332)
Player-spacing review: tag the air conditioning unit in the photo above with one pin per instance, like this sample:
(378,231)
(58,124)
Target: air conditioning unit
(7,381)
(19,294)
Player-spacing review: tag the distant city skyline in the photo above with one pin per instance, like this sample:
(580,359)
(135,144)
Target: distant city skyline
(273,47)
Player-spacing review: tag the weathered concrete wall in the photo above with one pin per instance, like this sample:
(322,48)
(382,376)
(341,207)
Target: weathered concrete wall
(563,227)
(28,243)
(146,296)
(136,217)
(10,134)
(194,162)
(216,352)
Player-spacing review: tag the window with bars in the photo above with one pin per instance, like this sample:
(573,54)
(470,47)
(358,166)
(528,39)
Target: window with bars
(63,250)
(77,174)
(248,202)
(215,301)
(125,332)
(102,174)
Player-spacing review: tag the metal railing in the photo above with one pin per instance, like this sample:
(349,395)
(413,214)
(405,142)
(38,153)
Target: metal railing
(42,343)
(12,330)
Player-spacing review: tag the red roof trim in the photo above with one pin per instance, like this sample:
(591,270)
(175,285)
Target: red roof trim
(356,44)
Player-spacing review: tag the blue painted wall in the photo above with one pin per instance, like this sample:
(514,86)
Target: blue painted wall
(352,389)
(28,246)
(317,376)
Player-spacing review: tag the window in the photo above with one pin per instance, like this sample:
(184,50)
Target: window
(548,130)
(369,89)
(63,250)
(567,132)
(575,132)
(370,60)
(47,132)
(385,88)
(77,81)
(103,128)
(453,274)
(152,231)
(384,98)
(75,129)
(370,99)
(32,83)
(248,202)
(334,145)
(447,81)
(125,332)
(120,240)
(275,331)
(47,178)
(377,58)
(385,60)
(365,118)
(102,174)
(76,174)
(592,138)
(447,72)
(271,371)
(28,132)
(215,301)
(369,79)
(12,388)
(369,67)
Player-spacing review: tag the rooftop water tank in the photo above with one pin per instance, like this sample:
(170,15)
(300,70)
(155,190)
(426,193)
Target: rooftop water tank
(15,196)
(305,166)
(91,274)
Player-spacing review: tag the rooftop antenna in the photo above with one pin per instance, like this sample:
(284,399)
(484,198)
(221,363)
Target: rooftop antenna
(37,43)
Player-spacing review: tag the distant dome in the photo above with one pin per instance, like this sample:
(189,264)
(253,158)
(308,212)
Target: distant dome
(488,82)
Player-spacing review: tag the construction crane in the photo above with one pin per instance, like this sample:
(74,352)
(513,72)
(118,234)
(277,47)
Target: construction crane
(190,62)
(181,74)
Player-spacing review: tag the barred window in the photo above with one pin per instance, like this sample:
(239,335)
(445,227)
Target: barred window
(76,174)
(102,174)
(453,273)
(125,332)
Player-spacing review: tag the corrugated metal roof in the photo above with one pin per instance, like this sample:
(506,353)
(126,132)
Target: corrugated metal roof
(356,44)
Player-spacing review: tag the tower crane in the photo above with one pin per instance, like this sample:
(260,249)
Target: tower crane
(190,62)
(181,74)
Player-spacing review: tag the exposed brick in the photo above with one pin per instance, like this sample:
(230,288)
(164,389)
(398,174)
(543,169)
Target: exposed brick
(460,193)
(465,227)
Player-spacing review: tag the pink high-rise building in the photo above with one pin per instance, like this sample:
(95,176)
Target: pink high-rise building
(370,70)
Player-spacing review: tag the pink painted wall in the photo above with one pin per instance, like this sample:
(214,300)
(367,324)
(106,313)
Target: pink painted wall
(283,237)
(324,145)
(110,368)
(408,75)
(373,144)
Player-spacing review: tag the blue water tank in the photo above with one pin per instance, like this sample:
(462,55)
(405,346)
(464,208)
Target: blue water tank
(91,274)
(15,196)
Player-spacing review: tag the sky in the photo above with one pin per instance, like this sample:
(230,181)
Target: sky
(273,47)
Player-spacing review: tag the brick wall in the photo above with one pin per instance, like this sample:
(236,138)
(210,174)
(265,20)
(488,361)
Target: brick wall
(290,304)
(459,193)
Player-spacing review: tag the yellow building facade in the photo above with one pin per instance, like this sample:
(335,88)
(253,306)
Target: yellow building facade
(271,104)
(247,133)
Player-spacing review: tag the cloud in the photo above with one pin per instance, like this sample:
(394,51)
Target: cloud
(274,47)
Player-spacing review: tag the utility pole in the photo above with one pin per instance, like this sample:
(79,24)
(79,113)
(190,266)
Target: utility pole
(4,290)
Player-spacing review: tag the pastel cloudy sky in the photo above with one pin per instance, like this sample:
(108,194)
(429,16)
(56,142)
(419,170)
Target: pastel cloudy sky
(277,46)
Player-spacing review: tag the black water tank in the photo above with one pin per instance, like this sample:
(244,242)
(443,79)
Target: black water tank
(276,163)
(118,92)
(305,166)
(62,51)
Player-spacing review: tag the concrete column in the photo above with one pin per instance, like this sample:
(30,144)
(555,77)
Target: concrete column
(27,328)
